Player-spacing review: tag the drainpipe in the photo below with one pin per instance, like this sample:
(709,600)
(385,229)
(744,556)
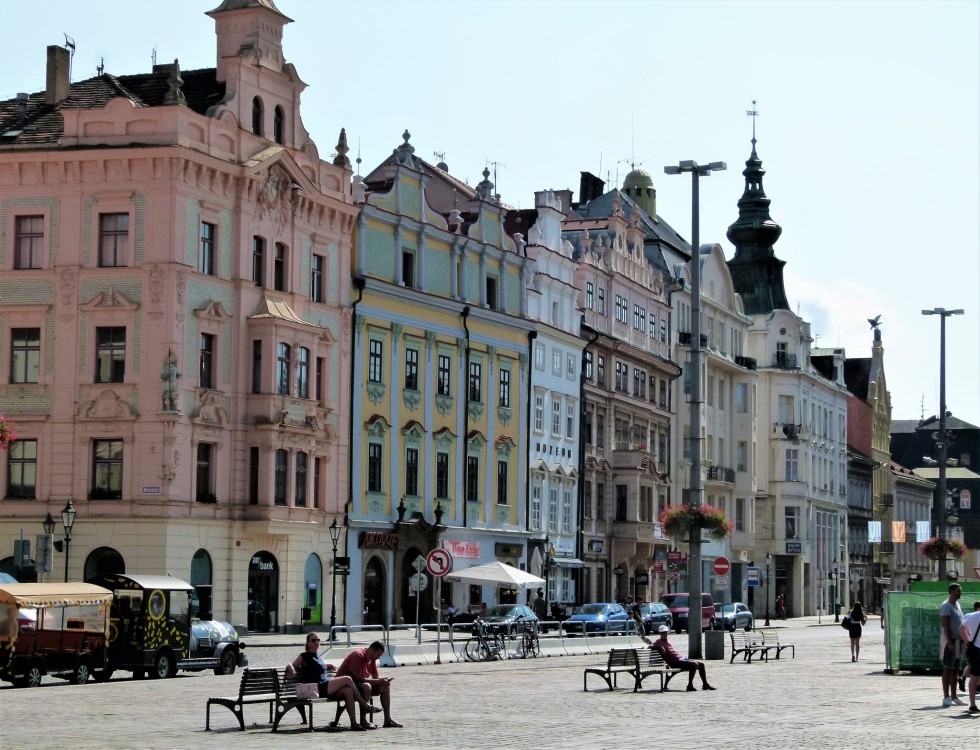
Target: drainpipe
(531,336)
(580,536)
(465,399)
(359,283)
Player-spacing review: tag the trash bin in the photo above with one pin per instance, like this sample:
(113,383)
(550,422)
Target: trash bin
(307,613)
(714,644)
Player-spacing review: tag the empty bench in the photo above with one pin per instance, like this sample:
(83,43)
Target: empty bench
(619,660)
(770,639)
(654,664)
(257,686)
(748,645)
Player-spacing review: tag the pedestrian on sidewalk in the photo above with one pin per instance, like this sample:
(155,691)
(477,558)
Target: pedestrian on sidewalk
(780,607)
(951,617)
(857,619)
(970,634)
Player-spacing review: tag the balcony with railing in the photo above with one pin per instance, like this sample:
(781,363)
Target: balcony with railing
(784,361)
(749,363)
(721,474)
(684,338)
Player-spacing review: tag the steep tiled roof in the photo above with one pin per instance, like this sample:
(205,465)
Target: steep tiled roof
(44,124)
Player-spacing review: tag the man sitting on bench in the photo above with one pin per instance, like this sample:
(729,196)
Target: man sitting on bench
(675,661)
(361,665)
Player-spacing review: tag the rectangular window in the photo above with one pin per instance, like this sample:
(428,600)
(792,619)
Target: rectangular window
(538,413)
(792,519)
(256,367)
(110,355)
(588,365)
(792,464)
(621,314)
(442,474)
(113,240)
(711,390)
(555,416)
(316,279)
(721,394)
(472,479)
(601,301)
(504,396)
(536,504)
(556,362)
(492,293)
(600,430)
(408,268)
(639,318)
(739,514)
(28,242)
(412,471)
(663,394)
(742,398)
(589,289)
(601,370)
(476,382)
(570,366)
(25,355)
(639,384)
(206,374)
(787,414)
(553,510)
(374,467)
(107,466)
(539,356)
(206,253)
(303,373)
(204,472)
(279,268)
(281,477)
(374,361)
(317,480)
(411,369)
(742,456)
(22,469)
(663,328)
(258,260)
(570,421)
(587,500)
(600,501)
(566,512)
(587,428)
(253,475)
(445,375)
(283,363)
(653,325)
(501,483)
(320,382)
(622,493)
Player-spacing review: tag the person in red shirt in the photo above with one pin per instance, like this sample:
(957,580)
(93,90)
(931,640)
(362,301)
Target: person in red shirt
(361,665)
(675,661)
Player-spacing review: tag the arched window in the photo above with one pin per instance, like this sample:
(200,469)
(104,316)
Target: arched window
(201,577)
(103,561)
(279,126)
(257,116)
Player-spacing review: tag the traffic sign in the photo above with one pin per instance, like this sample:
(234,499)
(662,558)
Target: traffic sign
(721,583)
(753,576)
(419,563)
(419,582)
(439,562)
(721,566)
(673,576)
(976,572)
(855,586)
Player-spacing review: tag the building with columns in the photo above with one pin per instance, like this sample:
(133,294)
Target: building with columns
(174,323)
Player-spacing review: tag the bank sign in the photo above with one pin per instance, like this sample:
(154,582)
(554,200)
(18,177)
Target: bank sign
(794,548)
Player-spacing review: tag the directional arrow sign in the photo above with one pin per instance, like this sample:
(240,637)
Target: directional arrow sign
(439,562)
(419,563)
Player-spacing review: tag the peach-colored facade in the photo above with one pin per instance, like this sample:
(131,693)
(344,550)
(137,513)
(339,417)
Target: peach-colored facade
(174,324)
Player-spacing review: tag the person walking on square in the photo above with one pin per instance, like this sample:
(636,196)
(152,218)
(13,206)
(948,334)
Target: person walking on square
(675,661)
(857,620)
(951,617)
(970,635)
(968,670)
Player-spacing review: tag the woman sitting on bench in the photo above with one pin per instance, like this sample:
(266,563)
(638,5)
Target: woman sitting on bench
(308,667)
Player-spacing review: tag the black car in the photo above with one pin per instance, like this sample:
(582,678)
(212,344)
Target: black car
(498,618)
(655,614)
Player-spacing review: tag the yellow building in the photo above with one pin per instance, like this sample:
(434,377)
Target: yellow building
(439,314)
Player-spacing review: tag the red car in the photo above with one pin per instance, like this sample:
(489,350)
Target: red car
(678,604)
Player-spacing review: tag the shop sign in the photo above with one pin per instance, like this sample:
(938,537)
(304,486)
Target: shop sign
(508,550)
(642,580)
(676,556)
(378,540)
(596,545)
(341,567)
(794,548)
(464,549)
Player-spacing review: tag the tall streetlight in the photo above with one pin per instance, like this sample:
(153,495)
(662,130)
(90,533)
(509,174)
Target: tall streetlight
(68,520)
(768,565)
(694,500)
(836,593)
(334,538)
(941,438)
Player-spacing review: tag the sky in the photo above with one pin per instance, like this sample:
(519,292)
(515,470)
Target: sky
(868,127)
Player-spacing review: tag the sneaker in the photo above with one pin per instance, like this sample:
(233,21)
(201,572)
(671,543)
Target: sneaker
(958,702)
(974,710)
(947,702)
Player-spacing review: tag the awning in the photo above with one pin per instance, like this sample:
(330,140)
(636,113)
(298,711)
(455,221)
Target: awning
(568,562)
(54,594)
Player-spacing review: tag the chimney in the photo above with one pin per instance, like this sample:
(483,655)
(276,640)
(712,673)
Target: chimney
(57,84)
(590,187)
(22,106)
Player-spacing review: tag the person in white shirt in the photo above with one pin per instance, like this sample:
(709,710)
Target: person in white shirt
(970,633)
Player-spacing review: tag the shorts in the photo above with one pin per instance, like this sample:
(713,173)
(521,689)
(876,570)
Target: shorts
(973,659)
(951,659)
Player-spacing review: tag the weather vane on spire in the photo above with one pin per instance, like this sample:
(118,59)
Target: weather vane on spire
(753,113)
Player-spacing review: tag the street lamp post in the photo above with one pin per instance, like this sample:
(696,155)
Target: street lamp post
(768,564)
(68,519)
(836,592)
(694,433)
(941,442)
(334,538)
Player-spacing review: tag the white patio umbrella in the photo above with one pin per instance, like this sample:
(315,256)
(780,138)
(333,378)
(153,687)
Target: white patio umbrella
(495,572)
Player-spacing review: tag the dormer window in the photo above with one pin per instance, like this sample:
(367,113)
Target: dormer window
(279,126)
(257,116)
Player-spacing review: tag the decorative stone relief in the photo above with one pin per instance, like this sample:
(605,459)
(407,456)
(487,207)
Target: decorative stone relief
(210,410)
(411,399)
(504,414)
(376,504)
(475,409)
(376,392)
(444,404)
(107,405)
(503,515)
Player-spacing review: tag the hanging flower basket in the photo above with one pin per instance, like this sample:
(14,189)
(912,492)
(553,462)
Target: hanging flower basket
(6,434)
(939,549)
(678,521)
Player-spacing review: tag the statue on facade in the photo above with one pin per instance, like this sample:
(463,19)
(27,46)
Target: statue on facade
(170,376)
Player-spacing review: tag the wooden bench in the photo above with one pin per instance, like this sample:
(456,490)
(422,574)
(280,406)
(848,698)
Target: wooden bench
(286,701)
(655,665)
(619,660)
(257,686)
(770,639)
(748,645)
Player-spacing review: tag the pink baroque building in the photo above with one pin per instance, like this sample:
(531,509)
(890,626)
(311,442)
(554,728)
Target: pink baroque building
(175,327)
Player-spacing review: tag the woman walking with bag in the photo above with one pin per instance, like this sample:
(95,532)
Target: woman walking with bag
(853,622)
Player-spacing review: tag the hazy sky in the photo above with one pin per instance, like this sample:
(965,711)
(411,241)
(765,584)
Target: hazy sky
(868,126)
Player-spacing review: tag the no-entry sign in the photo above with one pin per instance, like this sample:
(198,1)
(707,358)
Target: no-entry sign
(721,566)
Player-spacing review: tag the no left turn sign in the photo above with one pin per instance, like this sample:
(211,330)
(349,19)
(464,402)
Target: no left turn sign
(439,562)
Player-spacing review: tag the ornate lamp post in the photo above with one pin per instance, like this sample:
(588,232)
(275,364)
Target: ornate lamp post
(768,564)
(334,538)
(68,519)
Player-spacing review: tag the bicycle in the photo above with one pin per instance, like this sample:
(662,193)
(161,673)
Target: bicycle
(529,646)
(483,646)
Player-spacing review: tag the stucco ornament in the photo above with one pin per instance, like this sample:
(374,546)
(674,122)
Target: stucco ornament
(271,189)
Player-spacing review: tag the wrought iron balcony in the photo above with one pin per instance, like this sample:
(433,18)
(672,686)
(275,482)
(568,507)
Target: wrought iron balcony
(784,361)
(748,363)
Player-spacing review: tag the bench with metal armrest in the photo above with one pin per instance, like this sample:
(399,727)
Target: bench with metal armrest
(748,644)
(619,660)
(770,639)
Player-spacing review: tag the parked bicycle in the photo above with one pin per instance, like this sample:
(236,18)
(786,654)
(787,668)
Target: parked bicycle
(484,645)
(529,645)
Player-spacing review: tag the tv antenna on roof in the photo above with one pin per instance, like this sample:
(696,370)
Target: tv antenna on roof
(495,165)
(153,57)
(70,46)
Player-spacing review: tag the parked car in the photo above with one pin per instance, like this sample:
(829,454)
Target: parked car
(733,616)
(678,606)
(655,614)
(599,617)
(500,616)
